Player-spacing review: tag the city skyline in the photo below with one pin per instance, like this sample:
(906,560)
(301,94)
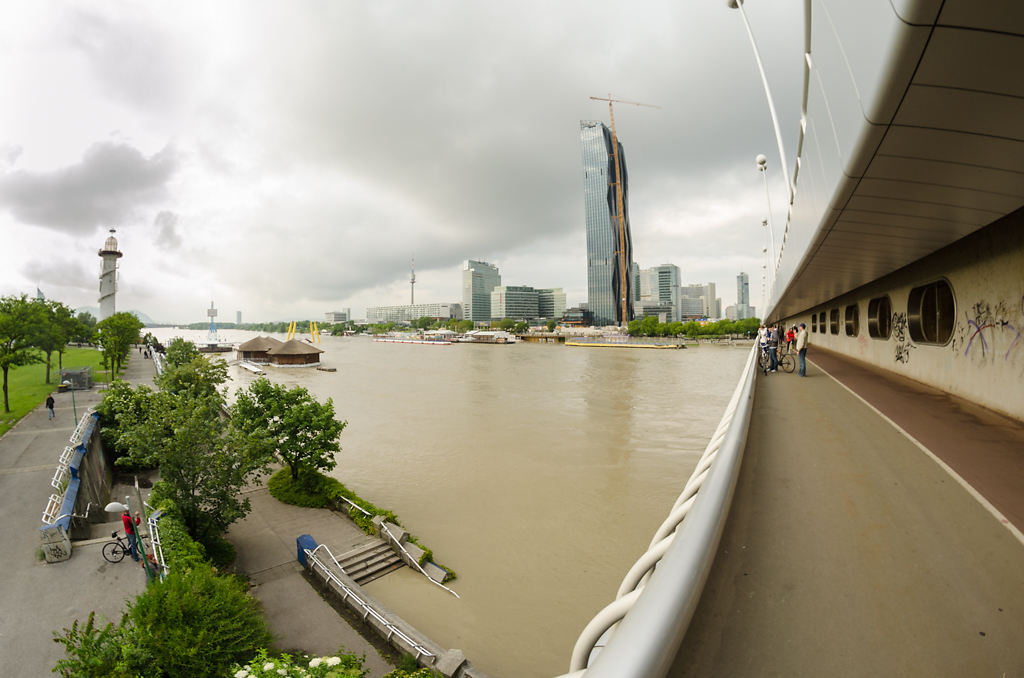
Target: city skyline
(232,173)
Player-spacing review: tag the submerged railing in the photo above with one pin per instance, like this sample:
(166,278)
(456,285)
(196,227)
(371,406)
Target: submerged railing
(639,633)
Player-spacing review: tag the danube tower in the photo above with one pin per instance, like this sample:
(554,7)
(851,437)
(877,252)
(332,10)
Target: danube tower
(608,290)
(108,276)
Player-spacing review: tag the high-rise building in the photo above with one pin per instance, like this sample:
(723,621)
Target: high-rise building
(609,280)
(659,286)
(743,309)
(551,303)
(108,276)
(238,317)
(518,302)
(479,279)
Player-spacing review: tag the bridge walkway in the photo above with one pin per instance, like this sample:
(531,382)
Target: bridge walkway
(851,551)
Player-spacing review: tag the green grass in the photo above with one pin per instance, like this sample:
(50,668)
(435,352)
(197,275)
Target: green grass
(27,387)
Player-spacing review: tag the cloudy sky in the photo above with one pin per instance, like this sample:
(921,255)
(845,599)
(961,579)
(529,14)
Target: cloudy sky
(288,158)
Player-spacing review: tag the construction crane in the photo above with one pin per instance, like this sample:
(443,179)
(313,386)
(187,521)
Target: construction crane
(620,252)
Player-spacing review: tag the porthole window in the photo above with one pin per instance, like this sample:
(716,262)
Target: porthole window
(821,322)
(814,322)
(833,321)
(930,313)
(880,318)
(852,320)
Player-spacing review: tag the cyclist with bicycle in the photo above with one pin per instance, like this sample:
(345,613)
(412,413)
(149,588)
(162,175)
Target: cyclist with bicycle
(129,532)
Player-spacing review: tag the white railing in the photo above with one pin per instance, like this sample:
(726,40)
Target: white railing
(158,549)
(368,611)
(76,436)
(399,544)
(659,594)
(53,505)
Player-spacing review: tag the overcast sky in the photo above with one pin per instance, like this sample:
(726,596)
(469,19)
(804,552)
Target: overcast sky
(287,158)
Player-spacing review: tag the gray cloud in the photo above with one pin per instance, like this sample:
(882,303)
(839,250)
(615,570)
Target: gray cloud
(167,235)
(105,188)
(60,273)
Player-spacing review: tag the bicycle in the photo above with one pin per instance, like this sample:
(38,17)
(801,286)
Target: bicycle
(785,361)
(115,551)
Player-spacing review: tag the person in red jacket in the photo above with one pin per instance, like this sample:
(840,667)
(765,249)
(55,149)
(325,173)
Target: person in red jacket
(791,337)
(129,532)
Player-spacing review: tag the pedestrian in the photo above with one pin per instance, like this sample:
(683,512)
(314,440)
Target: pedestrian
(129,532)
(790,338)
(49,406)
(801,347)
(773,349)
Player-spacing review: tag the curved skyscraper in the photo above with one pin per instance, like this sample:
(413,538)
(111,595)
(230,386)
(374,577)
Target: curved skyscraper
(607,286)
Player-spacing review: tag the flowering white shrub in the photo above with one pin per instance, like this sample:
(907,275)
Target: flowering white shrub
(265,666)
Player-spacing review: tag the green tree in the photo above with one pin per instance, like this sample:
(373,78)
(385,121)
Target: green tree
(198,377)
(521,327)
(53,332)
(19,321)
(290,423)
(675,328)
(116,336)
(633,328)
(649,326)
(552,324)
(122,410)
(463,326)
(506,324)
(180,351)
(85,329)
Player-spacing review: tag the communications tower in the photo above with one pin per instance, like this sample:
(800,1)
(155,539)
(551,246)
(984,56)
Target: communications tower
(412,281)
(108,276)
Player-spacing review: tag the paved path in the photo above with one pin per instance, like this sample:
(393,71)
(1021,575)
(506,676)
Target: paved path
(849,551)
(39,599)
(299,617)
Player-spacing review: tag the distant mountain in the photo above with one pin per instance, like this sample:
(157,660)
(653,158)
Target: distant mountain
(95,311)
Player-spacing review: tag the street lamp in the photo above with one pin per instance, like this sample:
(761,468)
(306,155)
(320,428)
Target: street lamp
(74,407)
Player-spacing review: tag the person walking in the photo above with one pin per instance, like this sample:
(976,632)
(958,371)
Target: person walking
(773,349)
(801,347)
(49,406)
(129,532)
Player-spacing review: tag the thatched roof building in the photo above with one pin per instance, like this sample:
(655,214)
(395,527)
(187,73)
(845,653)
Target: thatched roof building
(255,350)
(295,353)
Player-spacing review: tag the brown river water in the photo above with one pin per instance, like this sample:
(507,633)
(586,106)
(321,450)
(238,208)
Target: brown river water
(538,472)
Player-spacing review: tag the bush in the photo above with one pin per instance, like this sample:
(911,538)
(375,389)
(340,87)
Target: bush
(312,489)
(269,666)
(197,623)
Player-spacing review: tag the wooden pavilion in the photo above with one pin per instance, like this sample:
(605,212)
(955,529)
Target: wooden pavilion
(295,353)
(256,350)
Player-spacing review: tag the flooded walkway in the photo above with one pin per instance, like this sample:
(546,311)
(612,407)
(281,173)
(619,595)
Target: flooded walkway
(851,551)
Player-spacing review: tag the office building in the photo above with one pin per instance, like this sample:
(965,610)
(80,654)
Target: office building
(518,302)
(743,309)
(665,312)
(238,317)
(409,312)
(659,286)
(551,303)
(479,279)
(342,316)
(609,279)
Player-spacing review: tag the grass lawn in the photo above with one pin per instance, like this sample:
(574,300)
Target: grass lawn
(27,387)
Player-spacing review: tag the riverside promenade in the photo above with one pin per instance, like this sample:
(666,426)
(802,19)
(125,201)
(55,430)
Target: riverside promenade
(40,598)
(875,530)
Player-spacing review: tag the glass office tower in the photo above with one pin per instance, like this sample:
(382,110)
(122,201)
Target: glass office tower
(479,279)
(606,286)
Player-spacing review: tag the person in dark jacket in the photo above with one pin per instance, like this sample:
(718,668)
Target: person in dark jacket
(49,406)
(773,349)
(129,532)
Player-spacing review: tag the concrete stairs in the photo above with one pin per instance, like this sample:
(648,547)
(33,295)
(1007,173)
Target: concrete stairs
(369,562)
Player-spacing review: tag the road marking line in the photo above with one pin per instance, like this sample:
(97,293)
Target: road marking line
(27,469)
(943,465)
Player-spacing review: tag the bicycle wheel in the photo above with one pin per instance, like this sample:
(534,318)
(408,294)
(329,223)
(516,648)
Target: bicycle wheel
(113,552)
(787,363)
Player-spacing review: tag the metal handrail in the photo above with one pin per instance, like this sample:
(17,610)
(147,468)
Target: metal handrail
(412,560)
(403,549)
(652,610)
(367,609)
(76,435)
(158,549)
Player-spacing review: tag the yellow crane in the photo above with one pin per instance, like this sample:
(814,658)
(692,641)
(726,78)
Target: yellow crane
(620,252)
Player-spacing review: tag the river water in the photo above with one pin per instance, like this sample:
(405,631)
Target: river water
(538,472)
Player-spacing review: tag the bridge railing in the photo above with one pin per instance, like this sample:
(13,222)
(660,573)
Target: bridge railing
(639,633)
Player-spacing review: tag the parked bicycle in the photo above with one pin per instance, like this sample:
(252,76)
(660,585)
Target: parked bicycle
(115,551)
(785,359)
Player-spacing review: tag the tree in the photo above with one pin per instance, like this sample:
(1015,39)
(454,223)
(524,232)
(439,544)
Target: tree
(85,329)
(122,410)
(521,327)
(54,330)
(506,324)
(552,324)
(198,377)
(19,320)
(180,351)
(290,423)
(116,336)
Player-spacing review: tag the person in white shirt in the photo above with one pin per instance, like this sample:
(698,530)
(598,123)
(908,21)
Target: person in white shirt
(801,347)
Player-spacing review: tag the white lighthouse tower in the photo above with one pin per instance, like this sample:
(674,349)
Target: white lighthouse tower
(108,276)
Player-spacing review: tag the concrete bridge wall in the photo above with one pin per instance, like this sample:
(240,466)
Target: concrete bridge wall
(983,359)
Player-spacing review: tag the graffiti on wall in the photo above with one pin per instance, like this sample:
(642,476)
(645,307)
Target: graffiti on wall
(901,332)
(987,328)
